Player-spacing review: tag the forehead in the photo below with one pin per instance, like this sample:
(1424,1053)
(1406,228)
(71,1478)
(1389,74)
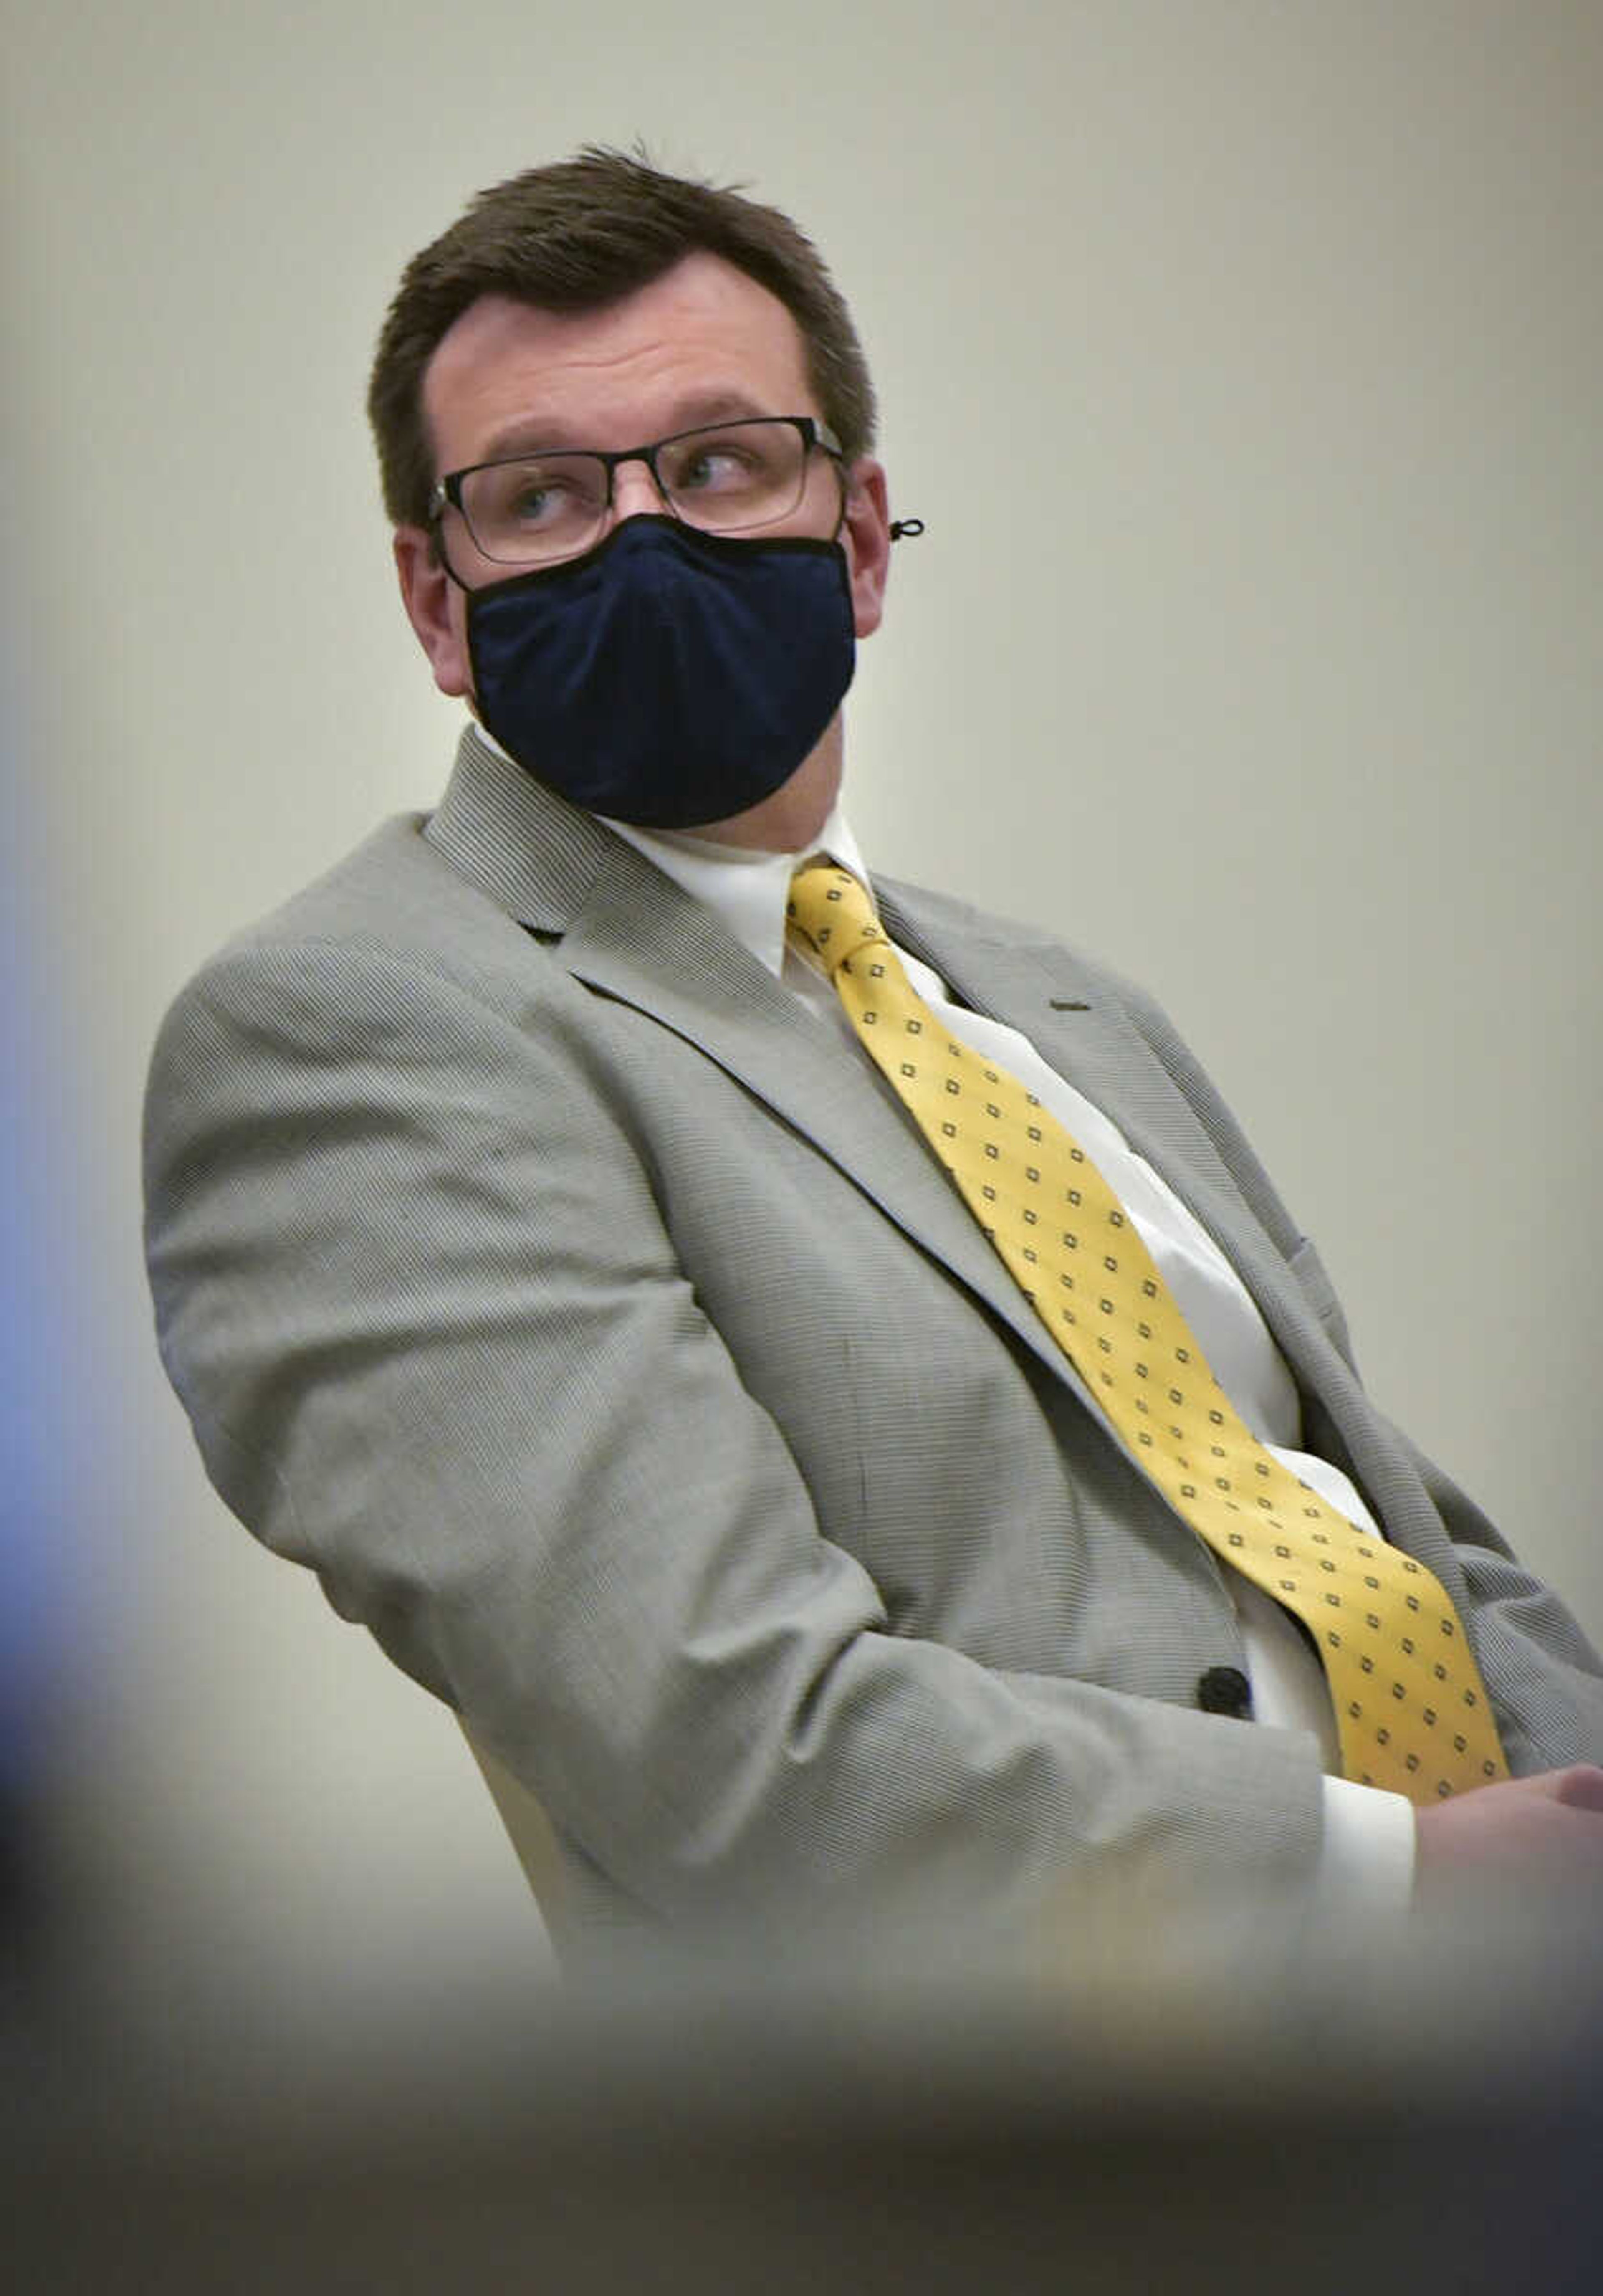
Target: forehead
(702,342)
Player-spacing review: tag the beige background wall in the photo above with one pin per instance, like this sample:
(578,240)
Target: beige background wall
(1244,358)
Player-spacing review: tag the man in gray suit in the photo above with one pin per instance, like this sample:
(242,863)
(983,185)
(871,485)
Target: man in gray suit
(542,1260)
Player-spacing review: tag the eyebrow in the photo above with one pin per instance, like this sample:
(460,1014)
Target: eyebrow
(534,434)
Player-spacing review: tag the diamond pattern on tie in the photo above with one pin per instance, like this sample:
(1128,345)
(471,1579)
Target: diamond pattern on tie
(1410,1707)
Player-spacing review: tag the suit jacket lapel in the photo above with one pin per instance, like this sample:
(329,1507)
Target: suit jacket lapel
(625,929)
(1066,1010)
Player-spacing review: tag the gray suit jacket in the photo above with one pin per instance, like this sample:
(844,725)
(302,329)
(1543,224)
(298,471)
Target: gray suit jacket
(535,1268)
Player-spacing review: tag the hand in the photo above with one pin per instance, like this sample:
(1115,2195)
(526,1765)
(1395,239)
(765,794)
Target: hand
(1549,1825)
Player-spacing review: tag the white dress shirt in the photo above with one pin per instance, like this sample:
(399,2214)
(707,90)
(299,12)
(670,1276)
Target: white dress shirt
(1366,1870)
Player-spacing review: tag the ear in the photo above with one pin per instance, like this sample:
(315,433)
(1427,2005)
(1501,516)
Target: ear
(865,534)
(435,608)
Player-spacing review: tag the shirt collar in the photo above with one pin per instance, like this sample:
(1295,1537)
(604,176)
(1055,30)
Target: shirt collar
(747,889)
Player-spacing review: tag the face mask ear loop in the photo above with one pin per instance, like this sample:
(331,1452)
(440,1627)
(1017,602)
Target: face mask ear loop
(902,529)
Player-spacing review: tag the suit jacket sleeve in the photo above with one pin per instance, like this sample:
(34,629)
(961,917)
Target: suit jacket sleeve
(414,1288)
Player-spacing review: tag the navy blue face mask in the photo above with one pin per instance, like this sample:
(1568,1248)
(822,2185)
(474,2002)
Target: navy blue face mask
(668,678)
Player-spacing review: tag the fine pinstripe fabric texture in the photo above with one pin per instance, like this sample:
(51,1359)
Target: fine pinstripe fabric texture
(479,1180)
(1410,1707)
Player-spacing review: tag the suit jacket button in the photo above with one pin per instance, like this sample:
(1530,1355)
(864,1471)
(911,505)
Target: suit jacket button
(1225,1690)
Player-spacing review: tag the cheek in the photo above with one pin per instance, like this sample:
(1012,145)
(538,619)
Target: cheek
(435,608)
(868,590)
(866,608)
(866,536)
(453,669)
(459,627)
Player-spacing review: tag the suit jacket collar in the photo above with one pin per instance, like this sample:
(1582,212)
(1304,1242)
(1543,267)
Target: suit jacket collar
(534,855)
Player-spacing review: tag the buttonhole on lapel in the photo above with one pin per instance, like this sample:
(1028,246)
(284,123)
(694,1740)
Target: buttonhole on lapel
(1068,1004)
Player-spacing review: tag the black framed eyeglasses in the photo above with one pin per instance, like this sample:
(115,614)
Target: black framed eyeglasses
(530,510)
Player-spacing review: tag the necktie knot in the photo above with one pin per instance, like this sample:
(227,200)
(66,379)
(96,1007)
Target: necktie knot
(831,914)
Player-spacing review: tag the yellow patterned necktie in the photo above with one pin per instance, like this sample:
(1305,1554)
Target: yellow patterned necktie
(1411,1707)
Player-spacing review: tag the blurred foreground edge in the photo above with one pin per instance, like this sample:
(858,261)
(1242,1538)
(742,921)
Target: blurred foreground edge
(1430,2119)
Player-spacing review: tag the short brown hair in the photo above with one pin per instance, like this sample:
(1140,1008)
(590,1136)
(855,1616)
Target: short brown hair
(575,236)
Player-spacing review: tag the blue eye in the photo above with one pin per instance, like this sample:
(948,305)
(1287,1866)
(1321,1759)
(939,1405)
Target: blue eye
(532,504)
(711,467)
(511,507)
